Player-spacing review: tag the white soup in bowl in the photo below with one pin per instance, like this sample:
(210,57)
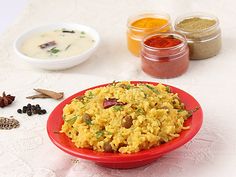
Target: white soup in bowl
(58,43)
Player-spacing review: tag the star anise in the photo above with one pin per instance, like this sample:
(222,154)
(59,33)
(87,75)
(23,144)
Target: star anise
(6,100)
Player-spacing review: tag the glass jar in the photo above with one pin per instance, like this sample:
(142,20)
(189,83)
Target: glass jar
(203,43)
(136,32)
(165,62)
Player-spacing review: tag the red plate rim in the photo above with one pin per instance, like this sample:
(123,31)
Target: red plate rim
(55,122)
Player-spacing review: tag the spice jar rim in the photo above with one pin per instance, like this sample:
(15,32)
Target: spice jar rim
(199,15)
(136,17)
(180,36)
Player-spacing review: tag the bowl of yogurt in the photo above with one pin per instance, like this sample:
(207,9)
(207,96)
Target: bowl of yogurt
(57,46)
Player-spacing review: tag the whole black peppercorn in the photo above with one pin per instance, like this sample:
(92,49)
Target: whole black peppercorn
(29,113)
(34,111)
(19,111)
(24,109)
(38,108)
(31,109)
(43,111)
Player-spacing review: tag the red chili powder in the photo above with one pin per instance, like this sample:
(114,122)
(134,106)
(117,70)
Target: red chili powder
(162,41)
(160,60)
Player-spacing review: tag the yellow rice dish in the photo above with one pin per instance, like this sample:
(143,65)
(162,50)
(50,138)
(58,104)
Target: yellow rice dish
(123,117)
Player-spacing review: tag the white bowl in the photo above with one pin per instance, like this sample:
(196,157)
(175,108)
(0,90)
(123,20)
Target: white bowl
(62,63)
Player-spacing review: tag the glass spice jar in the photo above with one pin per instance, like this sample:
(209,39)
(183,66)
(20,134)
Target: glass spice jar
(168,58)
(141,25)
(202,32)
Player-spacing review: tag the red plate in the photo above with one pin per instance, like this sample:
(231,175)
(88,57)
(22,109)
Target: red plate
(118,160)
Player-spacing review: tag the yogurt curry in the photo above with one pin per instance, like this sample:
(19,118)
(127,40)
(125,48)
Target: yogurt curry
(58,43)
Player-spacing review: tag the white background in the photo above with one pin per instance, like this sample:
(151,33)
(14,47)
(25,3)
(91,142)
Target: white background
(9,10)
(212,82)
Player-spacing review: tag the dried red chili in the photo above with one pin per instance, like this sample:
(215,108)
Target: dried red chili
(107,103)
(165,55)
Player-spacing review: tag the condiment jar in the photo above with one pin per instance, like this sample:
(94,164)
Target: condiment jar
(202,32)
(141,25)
(165,62)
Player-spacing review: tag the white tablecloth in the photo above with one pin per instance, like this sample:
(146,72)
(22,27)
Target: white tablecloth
(28,152)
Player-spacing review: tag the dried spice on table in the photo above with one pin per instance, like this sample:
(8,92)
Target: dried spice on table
(43,93)
(6,100)
(8,123)
(38,96)
(32,109)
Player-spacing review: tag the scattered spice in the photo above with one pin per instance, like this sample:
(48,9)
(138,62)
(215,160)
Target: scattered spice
(48,44)
(6,100)
(68,31)
(68,46)
(41,95)
(47,94)
(32,109)
(38,96)
(75,160)
(8,123)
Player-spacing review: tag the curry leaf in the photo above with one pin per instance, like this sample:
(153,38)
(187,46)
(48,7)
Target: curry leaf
(88,122)
(99,134)
(117,108)
(54,50)
(72,120)
(152,89)
(190,112)
(168,89)
(140,111)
